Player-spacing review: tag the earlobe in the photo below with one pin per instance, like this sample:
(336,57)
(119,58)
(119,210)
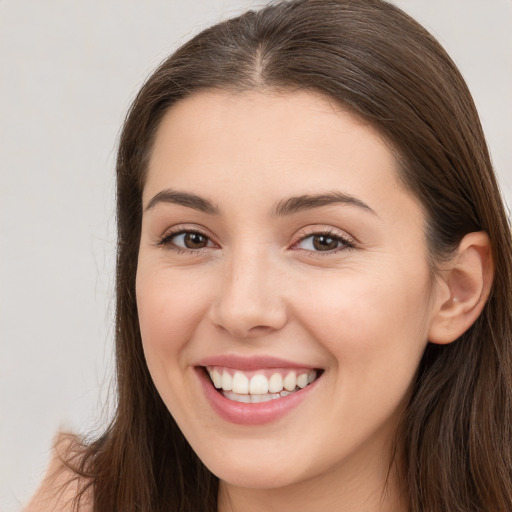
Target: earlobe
(464,287)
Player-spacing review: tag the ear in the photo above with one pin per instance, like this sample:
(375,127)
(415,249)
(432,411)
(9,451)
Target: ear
(463,288)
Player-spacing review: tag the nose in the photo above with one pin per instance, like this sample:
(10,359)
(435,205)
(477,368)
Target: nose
(250,302)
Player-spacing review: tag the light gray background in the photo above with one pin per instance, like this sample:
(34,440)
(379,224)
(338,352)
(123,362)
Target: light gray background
(68,71)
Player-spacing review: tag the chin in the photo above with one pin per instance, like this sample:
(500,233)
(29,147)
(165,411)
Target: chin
(255,477)
(253,465)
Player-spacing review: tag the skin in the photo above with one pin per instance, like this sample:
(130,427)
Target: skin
(362,314)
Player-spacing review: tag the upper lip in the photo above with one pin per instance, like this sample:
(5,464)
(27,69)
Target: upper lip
(250,363)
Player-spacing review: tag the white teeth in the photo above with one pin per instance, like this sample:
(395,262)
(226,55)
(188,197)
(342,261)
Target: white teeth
(259,388)
(290,381)
(258,385)
(240,384)
(275,383)
(216,378)
(254,399)
(227,381)
(258,399)
(302,380)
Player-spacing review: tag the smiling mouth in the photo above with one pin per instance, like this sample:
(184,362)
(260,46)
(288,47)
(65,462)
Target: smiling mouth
(260,385)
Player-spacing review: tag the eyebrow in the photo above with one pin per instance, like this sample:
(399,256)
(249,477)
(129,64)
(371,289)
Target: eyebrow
(285,207)
(183,199)
(308,202)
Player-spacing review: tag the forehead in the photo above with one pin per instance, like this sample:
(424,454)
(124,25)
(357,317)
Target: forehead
(270,145)
(212,127)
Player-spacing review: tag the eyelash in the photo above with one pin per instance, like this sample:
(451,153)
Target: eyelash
(345,242)
(166,240)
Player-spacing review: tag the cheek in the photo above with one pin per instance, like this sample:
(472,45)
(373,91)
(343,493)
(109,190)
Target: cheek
(375,332)
(170,308)
(371,324)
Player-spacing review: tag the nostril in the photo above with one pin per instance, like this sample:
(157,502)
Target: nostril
(241,329)
(259,330)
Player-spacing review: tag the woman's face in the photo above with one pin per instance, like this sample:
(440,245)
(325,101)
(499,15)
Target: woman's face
(277,246)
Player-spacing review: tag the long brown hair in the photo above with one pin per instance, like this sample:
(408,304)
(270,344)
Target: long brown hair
(375,60)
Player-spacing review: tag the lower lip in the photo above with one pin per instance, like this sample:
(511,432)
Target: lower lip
(251,414)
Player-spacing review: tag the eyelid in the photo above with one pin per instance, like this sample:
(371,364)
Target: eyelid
(164,240)
(348,241)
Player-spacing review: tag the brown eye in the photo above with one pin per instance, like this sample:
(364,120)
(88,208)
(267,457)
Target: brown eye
(187,240)
(325,242)
(194,240)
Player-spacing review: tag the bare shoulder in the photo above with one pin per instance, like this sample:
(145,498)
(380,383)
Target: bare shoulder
(61,485)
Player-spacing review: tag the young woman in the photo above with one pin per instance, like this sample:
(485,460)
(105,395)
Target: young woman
(313,280)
